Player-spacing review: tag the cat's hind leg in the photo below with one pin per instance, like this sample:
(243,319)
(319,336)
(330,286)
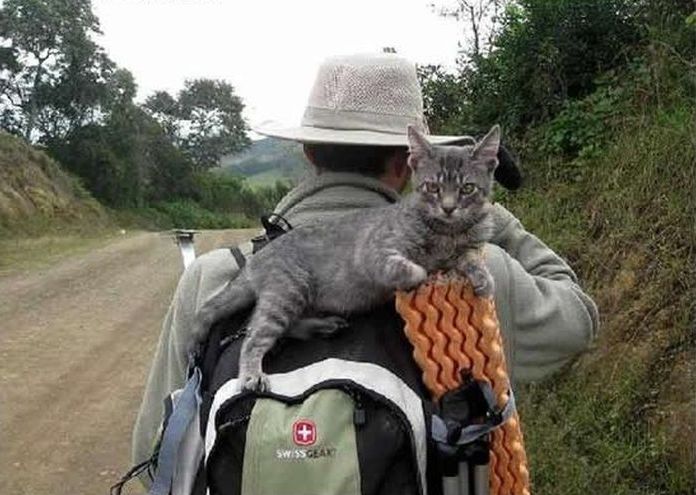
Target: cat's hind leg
(312,326)
(275,311)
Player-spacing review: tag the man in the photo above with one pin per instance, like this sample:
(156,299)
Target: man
(353,132)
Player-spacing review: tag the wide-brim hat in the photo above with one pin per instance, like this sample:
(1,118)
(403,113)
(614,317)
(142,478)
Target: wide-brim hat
(361,100)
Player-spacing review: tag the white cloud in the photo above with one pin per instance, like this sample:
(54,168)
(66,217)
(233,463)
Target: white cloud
(269,50)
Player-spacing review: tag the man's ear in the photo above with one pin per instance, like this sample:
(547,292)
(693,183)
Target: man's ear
(308,153)
(487,149)
(418,147)
(397,172)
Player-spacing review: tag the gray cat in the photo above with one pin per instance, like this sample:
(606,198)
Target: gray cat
(356,262)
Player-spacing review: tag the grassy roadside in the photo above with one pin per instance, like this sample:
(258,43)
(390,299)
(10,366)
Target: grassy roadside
(623,420)
(46,213)
(35,242)
(20,254)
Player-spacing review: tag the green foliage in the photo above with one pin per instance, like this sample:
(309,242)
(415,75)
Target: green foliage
(38,197)
(188,214)
(205,120)
(128,160)
(600,99)
(59,88)
(232,194)
(584,125)
(270,195)
(221,202)
(224,193)
(546,52)
(617,423)
(444,99)
(691,20)
(55,74)
(165,109)
(107,174)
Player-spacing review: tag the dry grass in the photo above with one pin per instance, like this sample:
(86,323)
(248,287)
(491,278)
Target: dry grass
(45,214)
(30,253)
(622,420)
(37,196)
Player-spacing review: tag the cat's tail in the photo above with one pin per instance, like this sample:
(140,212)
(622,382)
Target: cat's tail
(235,296)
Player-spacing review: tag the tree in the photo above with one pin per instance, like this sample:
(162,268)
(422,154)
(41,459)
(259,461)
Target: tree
(480,18)
(543,54)
(126,159)
(51,72)
(80,95)
(444,99)
(165,109)
(204,121)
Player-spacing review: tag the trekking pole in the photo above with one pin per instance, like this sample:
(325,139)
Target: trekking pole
(184,238)
(463,479)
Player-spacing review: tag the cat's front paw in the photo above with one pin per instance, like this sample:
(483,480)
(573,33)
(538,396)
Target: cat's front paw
(415,276)
(480,278)
(255,381)
(405,274)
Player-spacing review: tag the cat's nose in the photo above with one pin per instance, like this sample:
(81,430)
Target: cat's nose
(448,209)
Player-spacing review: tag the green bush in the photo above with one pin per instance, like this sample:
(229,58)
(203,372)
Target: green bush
(224,193)
(600,99)
(583,126)
(187,214)
(618,424)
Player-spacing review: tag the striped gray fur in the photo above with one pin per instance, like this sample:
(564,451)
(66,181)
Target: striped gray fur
(356,261)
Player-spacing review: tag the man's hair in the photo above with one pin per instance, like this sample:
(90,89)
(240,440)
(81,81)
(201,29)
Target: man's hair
(365,160)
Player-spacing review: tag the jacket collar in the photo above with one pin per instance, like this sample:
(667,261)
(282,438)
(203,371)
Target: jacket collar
(320,197)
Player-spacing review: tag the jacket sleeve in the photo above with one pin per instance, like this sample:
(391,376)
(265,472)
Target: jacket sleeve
(178,339)
(547,319)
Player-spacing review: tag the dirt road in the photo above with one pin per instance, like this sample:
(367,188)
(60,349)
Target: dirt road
(75,347)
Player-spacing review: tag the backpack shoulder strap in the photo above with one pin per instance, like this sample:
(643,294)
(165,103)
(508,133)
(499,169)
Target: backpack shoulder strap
(238,256)
(274,226)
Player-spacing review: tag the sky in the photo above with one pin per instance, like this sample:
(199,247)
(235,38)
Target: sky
(269,50)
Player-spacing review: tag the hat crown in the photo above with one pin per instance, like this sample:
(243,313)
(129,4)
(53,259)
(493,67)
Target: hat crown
(366,92)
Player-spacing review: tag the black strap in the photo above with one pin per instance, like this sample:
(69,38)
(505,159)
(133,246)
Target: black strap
(238,256)
(274,226)
(135,471)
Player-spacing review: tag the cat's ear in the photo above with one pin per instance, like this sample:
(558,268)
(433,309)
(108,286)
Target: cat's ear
(486,150)
(418,147)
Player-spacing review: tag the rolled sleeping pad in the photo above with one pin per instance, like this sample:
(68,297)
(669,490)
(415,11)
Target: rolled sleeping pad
(453,331)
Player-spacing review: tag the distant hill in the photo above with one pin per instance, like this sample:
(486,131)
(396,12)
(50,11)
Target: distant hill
(266,161)
(33,188)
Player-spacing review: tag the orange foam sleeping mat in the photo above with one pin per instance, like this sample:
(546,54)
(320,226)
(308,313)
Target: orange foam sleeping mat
(452,331)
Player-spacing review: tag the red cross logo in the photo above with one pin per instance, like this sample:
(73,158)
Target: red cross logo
(304,432)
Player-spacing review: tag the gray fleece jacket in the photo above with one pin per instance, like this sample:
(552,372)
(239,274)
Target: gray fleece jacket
(545,317)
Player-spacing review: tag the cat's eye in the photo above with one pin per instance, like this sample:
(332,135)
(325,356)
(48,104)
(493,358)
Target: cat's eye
(432,187)
(467,189)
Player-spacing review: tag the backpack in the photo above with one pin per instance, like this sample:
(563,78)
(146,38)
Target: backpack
(346,414)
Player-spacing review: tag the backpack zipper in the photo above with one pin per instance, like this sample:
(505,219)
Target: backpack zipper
(359,413)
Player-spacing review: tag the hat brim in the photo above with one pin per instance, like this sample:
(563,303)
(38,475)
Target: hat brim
(320,135)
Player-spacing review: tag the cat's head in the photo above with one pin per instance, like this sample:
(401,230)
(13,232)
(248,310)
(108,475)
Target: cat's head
(453,183)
